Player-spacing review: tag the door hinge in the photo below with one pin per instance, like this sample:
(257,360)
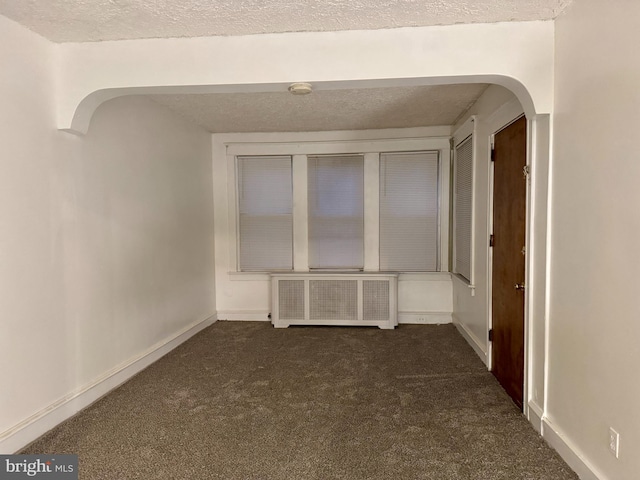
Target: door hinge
(491,334)
(526,171)
(493,154)
(491,240)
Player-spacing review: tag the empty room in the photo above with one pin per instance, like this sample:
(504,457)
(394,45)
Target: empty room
(355,240)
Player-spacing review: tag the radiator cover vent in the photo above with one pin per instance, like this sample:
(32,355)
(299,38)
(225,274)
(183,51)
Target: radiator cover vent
(375,300)
(334,299)
(291,299)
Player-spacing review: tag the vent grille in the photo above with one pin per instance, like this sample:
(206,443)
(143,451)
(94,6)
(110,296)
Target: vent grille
(333,299)
(375,295)
(291,299)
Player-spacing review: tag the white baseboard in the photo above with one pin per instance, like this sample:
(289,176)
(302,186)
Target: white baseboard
(244,315)
(569,452)
(25,432)
(424,318)
(535,414)
(471,339)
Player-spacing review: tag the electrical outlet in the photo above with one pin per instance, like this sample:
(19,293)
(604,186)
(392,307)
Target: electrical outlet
(614,442)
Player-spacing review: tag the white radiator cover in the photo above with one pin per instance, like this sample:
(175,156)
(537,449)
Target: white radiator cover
(367,299)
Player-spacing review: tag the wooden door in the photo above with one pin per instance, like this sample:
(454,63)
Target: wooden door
(509,211)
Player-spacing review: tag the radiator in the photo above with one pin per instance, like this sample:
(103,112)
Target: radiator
(334,299)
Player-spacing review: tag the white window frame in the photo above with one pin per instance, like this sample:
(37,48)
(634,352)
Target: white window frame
(322,143)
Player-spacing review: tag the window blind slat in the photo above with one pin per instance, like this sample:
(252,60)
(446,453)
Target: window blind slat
(265,213)
(336,211)
(463,182)
(409,212)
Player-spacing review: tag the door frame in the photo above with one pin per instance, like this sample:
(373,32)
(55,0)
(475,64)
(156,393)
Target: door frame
(499,120)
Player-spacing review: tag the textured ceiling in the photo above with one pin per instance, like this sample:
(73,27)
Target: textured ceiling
(358,109)
(95,20)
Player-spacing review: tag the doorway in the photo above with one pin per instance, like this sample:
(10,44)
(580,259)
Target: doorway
(508,266)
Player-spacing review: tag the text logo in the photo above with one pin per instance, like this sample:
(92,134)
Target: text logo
(50,467)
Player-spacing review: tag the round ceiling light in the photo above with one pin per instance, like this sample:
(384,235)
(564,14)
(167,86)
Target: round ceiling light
(300,88)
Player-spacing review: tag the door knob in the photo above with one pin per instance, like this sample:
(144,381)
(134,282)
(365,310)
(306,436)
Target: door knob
(519,286)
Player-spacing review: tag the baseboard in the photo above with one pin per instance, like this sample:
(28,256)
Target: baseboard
(244,315)
(424,318)
(41,422)
(569,452)
(535,416)
(471,339)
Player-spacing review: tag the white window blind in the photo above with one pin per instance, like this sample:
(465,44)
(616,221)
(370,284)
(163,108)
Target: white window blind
(336,211)
(409,212)
(265,213)
(463,189)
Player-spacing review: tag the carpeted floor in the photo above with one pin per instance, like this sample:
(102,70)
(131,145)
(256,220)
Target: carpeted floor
(242,400)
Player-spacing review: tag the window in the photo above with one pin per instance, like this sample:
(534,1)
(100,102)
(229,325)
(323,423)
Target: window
(265,213)
(336,211)
(409,212)
(462,197)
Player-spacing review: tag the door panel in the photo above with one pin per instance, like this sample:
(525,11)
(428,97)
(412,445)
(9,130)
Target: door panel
(509,212)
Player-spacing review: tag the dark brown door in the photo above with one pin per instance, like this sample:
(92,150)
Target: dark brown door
(509,210)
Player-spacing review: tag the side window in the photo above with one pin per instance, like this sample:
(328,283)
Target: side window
(462,207)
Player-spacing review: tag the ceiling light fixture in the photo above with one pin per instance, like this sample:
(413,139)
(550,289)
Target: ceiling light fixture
(300,88)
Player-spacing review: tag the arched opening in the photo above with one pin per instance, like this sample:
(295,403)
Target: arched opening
(359,112)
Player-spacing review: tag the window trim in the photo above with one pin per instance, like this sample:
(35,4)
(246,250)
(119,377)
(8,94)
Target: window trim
(319,143)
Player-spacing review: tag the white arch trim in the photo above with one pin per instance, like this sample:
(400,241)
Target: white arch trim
(517,55)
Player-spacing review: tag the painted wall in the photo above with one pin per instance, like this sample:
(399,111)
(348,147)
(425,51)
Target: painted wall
(492,53)
(470,306)
(106,240)
(594,358)
(422,297)
(496,108)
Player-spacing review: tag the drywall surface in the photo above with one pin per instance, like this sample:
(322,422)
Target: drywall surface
(470,306)
(480,53)
(107,239)
(594,358)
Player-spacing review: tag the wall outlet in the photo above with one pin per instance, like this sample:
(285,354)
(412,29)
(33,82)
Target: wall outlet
(614,442)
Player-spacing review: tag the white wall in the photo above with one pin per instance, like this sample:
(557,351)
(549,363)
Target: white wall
(493,109)
(422,297)
(107,242)
(496,108)
(517,55)
(594,326)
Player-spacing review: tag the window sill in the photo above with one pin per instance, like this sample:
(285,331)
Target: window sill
(462,280)
(403,277)
(248,276)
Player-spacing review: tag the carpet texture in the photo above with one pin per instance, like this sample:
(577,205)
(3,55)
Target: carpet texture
(242,400)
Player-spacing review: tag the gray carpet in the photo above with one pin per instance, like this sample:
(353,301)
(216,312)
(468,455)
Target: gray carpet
(242,400)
